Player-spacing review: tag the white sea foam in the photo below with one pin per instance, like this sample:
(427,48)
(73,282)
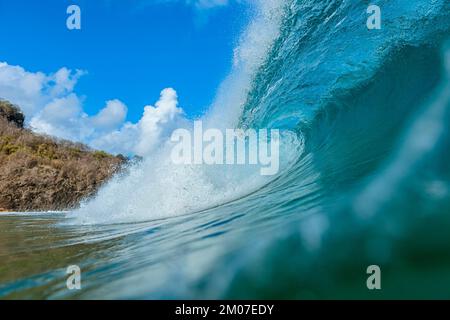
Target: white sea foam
(157,188)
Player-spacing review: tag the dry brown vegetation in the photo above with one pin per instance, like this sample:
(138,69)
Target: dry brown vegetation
(41,173)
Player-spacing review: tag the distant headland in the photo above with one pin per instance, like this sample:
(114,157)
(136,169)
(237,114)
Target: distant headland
(42,173)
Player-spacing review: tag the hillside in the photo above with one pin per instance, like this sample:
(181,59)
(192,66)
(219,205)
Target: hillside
(39,173)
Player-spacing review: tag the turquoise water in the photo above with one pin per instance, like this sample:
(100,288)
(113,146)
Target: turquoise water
(365,178)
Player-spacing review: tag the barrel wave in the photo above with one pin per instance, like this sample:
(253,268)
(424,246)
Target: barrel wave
(365,176)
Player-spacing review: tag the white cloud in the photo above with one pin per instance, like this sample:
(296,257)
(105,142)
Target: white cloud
(112,116)
(63,118)
(32,91)
(23,87)
(64,81)
(152,129)
(52,107)
(157,120)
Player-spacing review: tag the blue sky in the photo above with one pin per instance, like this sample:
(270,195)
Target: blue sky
(131,50)
(136,70)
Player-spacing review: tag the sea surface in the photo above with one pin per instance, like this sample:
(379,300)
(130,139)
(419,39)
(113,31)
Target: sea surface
(364,117)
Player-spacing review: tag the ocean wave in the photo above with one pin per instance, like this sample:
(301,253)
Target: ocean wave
(365,176)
